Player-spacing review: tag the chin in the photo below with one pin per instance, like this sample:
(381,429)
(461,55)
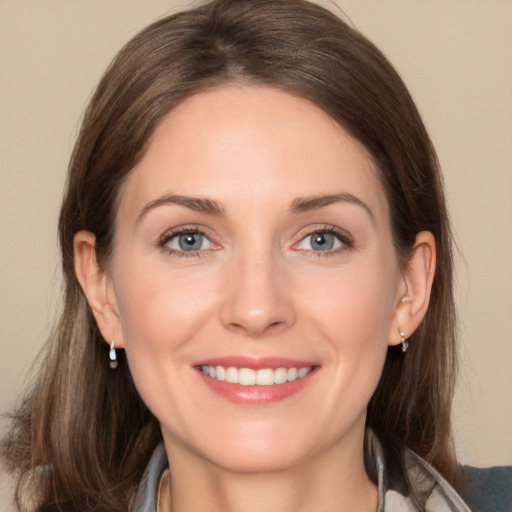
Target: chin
(257,458)
(261,446)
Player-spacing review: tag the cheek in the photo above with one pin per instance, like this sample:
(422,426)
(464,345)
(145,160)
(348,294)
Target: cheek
(159,314)
(356,322)
(158,309)
(353,311)
(355,305)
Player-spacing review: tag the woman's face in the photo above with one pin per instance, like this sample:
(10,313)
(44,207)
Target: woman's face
(254,239)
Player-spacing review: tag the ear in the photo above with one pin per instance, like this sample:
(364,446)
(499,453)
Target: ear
(414,290)
(97,286)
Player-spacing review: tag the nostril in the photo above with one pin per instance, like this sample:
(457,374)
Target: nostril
(274,325)
(255,330)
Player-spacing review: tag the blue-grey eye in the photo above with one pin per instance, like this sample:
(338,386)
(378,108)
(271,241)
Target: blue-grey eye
(188,242)
(320,241)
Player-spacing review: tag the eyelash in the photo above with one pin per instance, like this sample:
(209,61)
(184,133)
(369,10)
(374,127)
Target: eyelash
(170,235)
(343,238)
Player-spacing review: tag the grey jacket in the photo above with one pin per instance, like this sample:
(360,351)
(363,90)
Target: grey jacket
(488,490)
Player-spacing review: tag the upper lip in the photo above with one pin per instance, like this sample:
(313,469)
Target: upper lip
(257,363)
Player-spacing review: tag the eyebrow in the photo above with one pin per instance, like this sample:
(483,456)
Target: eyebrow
(197,204)
(305,204)
(208,206)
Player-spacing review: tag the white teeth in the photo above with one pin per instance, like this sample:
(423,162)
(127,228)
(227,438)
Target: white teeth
(280,376)
(220,373)
(265,377)
(302,372)
(251,377)
(246,377)
(232,375)
(292,373)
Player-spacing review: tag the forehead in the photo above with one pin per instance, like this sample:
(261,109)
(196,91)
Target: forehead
(254,142)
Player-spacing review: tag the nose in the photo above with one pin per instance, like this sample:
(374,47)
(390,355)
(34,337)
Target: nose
(258,300)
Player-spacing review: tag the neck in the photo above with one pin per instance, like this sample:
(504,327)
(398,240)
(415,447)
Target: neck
(333,480)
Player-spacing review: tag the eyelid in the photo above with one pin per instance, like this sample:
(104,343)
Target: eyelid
(168,235)
(343,236)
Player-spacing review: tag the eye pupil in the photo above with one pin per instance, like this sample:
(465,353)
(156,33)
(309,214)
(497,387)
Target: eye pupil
(190,241)
(322,241)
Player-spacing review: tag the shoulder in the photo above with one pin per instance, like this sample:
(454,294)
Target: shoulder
(488,489)
(408,483)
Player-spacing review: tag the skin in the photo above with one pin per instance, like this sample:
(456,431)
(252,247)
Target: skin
(257,287)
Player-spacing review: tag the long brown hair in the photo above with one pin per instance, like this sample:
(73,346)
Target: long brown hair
(82,436)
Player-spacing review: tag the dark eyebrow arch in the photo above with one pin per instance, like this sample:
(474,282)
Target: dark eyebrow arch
(197,204)
(305,204)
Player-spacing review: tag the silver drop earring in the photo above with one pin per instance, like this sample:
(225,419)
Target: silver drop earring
(405,343)
(112,356)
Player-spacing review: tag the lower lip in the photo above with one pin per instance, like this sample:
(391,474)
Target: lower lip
(256,395)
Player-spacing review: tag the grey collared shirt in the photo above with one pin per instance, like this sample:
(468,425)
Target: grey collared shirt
(435,492)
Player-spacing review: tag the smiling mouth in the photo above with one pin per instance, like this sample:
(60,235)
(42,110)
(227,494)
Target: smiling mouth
(252,377)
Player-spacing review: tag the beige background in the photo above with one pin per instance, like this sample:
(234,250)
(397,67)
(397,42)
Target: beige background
(455,56)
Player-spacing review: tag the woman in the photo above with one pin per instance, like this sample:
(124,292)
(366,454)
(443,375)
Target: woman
(259,309)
